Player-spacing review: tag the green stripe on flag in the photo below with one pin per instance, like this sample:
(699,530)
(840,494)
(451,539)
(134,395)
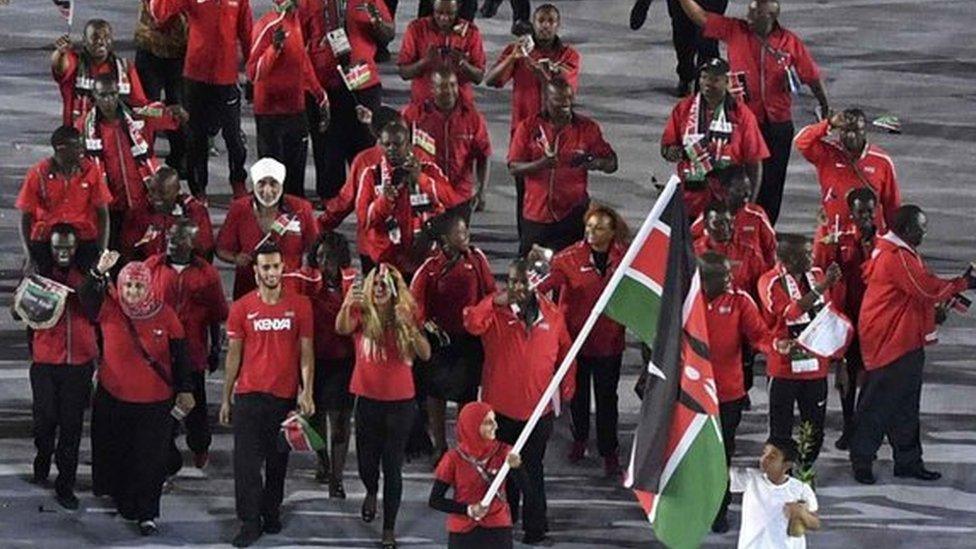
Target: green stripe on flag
(635,306)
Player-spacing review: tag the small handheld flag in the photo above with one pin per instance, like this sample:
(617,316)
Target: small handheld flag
(67,9)
(299,434)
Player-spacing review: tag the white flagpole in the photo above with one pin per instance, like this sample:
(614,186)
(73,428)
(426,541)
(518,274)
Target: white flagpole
(635,246)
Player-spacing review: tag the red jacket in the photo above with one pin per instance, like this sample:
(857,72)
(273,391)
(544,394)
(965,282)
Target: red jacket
(898,311)
(326,302)
(373,211)
(423,34)
(443,288)
(850,254)
(316,18)
(733,321)
(786,320)
(746,145)
(343,204)
(457,140)
(519,362)
(144,231)
(281,77)
(837,176)
(747,261)
(767,86)
(550,195)
(527,87)
(751,225)
(76,93)
(197,296)
(53,199)
(217,29)
(72,341)
(580,285)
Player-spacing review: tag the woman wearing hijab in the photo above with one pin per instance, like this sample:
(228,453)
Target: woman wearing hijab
(144,365)
(382,318)
(267,215)
(469,470)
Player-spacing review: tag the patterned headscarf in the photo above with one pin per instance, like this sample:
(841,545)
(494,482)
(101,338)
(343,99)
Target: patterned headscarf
(149,305)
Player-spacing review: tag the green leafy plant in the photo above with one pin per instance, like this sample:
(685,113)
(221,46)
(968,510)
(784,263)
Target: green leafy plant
(804,470)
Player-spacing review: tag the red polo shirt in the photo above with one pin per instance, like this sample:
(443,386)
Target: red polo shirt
(837,176)
(272,338)
(751,226)
(898,311)
(123,372)
(469,487)
(422,34)
(242,233)
(550,195)
(443,288)
(460,137)
(145,229)
(527,87)
(747,260)
(75,104)
(281,76)
(767,86)
(383,375)
(779,310)
(72,341)
(51,198)
(580,285)
(197,296)
(219,29)
(520,362)
(733,320)
(317,21)
(746,145)
(343,204)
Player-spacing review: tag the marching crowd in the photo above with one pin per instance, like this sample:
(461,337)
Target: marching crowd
(125,257)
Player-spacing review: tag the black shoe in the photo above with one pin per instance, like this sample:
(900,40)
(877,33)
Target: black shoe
(368,510)
(684,88)
(42,469)
(535,539)
(271,525)
(248,534)
(919,472)
(148,528)
(67,499)
(864,475)
(720,525)
(638,14)
(336,491)
(843,443)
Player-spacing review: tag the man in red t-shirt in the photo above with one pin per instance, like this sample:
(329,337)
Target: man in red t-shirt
(769,64)
(441,40)
(65,188)
(554,151)
(270,333)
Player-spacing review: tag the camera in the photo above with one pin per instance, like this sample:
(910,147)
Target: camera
(400,176)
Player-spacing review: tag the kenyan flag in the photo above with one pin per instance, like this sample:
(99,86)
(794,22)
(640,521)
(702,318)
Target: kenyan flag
(677,464)
(299,435)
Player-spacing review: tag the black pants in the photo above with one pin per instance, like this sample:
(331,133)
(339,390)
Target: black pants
(481,538)
(554,236)
(519,203)
(810,396)
(889,404)
(779,140)
(284,137)
(529,486)
(60,393)
(257,421)
(855,369)
(687,38)
(159,75)
(211,106)
(86,255)
(382,428)
(345,138)
(197,425)
(129,443)
(605,373)
(730,415)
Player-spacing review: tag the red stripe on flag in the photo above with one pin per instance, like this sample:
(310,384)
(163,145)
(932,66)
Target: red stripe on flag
(652,260)
(697,377)
(296,437)
(646,501)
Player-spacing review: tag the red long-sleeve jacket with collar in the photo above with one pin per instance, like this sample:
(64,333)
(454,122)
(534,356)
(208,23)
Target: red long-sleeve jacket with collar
(898,310)
(442,288)
(782,311)
(281,76)
(751,225)
(733,320)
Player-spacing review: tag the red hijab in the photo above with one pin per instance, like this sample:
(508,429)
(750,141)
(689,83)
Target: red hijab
(469,436)
(149,305)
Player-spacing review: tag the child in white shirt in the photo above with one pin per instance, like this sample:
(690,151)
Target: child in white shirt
(774,503)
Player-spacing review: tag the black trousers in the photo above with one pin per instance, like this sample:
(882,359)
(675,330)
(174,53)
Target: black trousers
(779,140)
(730,415)
(160,75)
(129,443)
(284,137)
(60,395)
(211,106)
(519,203)
(197,425)
(86,255)
(604,372)
(382,429)
(855,369)
(810,396)
(889,404)
(689,46)
(481,538)
(554,236)
(345,138)
(257,421)
(529,486)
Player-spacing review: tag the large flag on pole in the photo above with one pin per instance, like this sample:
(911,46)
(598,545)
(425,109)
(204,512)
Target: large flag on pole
(67,9)
(677,464)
